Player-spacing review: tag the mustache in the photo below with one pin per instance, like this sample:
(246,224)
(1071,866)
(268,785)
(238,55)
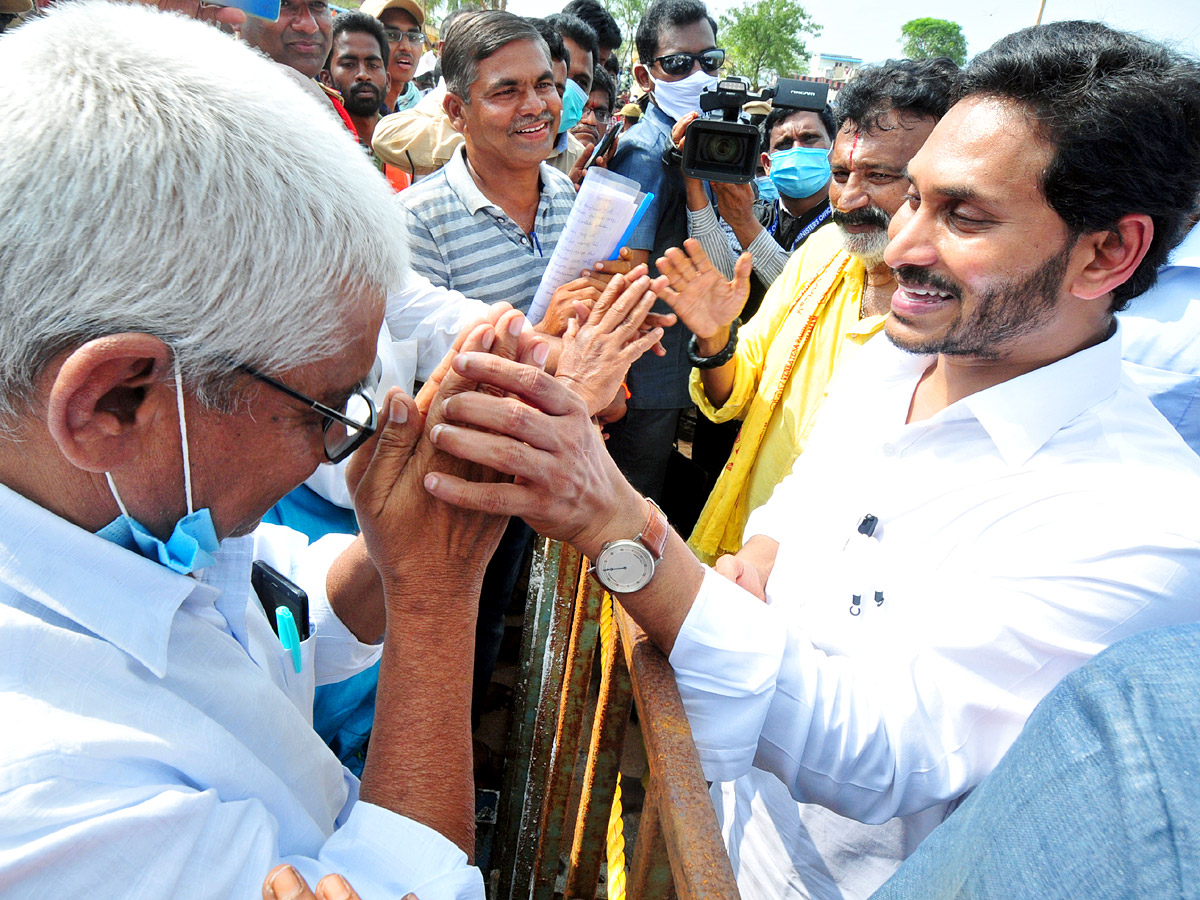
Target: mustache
(530,120)
(915,276)
(867,215)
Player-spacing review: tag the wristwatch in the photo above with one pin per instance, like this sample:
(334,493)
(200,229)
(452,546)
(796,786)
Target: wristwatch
(626,566)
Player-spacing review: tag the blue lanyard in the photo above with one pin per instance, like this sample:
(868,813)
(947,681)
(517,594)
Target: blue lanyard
(806,230)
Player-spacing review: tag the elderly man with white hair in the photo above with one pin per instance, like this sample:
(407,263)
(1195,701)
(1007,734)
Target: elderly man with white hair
(185,333)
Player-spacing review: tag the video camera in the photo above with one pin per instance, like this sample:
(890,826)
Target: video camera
(722,145)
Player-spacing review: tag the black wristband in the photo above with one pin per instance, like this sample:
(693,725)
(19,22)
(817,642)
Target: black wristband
(671,157)
(717,359)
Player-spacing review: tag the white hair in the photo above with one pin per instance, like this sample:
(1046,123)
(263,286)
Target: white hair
(160,177)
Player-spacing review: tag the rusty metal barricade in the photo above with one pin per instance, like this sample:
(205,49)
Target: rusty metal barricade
(544,853)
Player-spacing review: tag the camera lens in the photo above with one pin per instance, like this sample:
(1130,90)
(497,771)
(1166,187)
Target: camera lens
(720,149)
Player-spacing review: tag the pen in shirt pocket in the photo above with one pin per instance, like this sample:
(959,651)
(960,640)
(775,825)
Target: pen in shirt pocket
(286,606)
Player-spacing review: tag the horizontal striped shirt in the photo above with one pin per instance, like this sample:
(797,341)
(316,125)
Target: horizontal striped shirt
(462,241)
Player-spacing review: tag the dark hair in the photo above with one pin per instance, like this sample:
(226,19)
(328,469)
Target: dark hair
(780,113)
(608,32)
(358,22)
(1123,116)
(602,81)
(666,14)
(577,30)
(550,34)
(921,87)
(475,37)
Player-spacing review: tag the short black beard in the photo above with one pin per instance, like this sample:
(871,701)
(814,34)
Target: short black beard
(362,105)
(1007,311)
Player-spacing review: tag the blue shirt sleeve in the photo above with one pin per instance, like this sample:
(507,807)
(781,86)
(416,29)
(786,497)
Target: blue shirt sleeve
(636,161)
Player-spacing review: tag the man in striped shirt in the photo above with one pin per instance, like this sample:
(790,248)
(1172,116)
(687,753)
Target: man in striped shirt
(487,222)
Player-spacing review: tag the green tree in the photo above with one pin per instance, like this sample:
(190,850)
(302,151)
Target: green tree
(927,38)
(766,37)
(627,13)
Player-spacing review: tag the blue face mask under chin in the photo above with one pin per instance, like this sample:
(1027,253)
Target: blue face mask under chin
(800,171)
(574,100)
(193,541)
(766,188)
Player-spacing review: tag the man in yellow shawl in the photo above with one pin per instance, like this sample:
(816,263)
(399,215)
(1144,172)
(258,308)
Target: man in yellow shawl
(833,295)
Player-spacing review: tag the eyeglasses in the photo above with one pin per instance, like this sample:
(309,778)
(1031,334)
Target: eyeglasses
(599,113)
(395,36)
(677,64)
(344,431)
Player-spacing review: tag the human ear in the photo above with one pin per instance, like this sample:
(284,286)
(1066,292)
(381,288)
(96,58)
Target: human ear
(642,74)
(764,160)
(325,78)
(105,398)
(1112,256)
(453,106)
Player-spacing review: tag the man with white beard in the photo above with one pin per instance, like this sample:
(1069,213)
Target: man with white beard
(832,296)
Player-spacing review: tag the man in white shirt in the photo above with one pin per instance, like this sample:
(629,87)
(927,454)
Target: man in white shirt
(985,504)
(1160,338)
(187,334)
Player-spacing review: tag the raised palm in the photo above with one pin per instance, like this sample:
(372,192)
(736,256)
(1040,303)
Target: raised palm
(700,295)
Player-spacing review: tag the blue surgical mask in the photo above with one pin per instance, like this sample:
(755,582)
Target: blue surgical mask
(573,101)
(766,188)
(800,171)
(678,98)
(193,541)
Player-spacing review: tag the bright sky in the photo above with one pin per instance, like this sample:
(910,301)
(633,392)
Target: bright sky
(870,29)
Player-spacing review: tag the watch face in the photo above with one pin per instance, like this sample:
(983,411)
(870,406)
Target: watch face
(624,567)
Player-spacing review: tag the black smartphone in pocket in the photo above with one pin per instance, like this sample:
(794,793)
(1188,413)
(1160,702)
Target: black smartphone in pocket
(274,591)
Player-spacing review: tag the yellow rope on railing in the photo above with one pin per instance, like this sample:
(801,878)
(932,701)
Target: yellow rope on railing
(615,857)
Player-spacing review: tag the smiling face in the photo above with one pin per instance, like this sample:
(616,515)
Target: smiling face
(984,265)
(299,38)
(511,120)
(405,54)
(868,183)
(357,70)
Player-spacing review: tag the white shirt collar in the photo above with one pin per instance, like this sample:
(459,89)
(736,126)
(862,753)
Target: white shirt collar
(1022,414)
(114,593)
(458,176)
(1187,251)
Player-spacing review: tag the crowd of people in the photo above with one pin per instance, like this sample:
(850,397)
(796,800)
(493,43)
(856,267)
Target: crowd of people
(935,628)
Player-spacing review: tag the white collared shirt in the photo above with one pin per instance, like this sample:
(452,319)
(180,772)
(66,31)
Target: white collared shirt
(1020,531)
(157,740)
(1161,339)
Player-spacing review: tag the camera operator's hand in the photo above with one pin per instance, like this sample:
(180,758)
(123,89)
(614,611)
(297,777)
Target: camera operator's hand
(704,301)
(735,203)
(693,187)
(679,130)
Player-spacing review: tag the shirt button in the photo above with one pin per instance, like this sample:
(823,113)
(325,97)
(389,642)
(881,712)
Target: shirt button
(524,240)
(890,450)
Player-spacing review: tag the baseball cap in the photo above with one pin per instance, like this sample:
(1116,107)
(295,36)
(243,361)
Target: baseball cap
(376,8)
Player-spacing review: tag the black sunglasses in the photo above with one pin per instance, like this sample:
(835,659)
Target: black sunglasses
(676,64)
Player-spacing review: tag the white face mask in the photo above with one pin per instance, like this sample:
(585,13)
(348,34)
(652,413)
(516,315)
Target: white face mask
(678,98)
